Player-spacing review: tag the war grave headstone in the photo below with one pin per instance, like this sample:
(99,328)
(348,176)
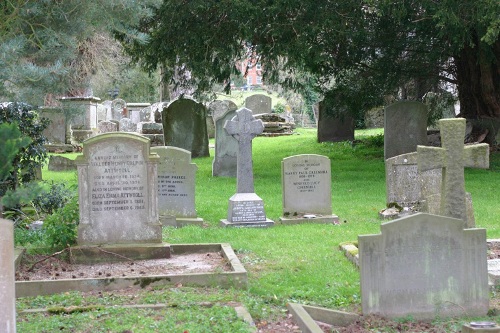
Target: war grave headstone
(334,128)
(226,147)
(424,266)
(107,126)
(7,278)
(184,126)
(259,103)
(405,127)
(307,195)
(176,187)
(117,182)
(452,157)
(246,208)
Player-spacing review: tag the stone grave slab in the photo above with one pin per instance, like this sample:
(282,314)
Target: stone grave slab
(226,148)
(185,126)
(259,103)
(176,187)
(117,182)
(405,127)
(7,278)
(246,208)
(306,189)
(424,266)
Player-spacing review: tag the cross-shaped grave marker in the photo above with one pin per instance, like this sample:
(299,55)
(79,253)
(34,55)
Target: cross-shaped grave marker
(244,127)
(453,156)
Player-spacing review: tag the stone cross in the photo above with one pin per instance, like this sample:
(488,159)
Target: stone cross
(244,127)
(453,157)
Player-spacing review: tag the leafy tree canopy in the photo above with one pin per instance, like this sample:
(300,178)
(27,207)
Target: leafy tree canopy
(356,51)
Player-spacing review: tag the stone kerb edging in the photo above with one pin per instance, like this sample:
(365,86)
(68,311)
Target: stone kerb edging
(305,317)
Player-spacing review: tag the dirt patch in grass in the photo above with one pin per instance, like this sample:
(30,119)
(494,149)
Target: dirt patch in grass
(40,267)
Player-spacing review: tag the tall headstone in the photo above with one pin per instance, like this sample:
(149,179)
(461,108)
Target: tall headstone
(56,130)
(259,103)
(185,126)
(405,127)
(117,183)
(226,148)
(7,278)
(452,157)
(334,128)
(424,266)
(246,208)
(307,189)
(176,187)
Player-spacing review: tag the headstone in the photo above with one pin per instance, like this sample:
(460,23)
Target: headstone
(117,182)
(176,187)
(184,126)
(56,130)
(334,128)
(102,112)
(259,103)
(61,163)
(453,157)
(424,266)
(219,108)
(226,148)
(7,278)
(246,208)
(107,126)
(83,120)
(405,127)
(307,194)
(118,109)
(127,125)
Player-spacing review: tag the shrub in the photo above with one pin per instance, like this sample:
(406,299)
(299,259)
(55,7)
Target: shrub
(54,196)
(61,227)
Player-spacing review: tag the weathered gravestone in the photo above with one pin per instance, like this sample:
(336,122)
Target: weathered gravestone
(107,126)
(61,163)
(334,128)
(7,278)
(452,157)
(118,109)
(127,125)
(405,127)
(176,187)
(226,148)
(185,126)
(117,182)
(259,103)
(424,266)
(246,208)
(307,193)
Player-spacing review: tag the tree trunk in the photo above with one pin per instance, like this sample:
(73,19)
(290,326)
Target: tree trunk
(478,76)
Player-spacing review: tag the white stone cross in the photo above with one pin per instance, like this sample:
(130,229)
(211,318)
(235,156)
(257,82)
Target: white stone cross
(453,157)
(244,127)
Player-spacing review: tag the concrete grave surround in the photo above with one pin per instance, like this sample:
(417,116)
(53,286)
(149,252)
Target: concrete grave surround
(334,128)
(259,103)
(7,278)
(453,156)
(176,187)
(226,148)
(405,127)
(424,266)
(307,189)
(246,208)
(107,126)
(185,126)
(117,183)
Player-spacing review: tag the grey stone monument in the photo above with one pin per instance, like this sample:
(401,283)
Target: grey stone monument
(259,103)
(117,183)
(405,127)
(452,157)
(226,148)
(185,126)
(334,128)
(127,125)
(307,189)
(424,266)
(7,278)
(176,187)
(246,208)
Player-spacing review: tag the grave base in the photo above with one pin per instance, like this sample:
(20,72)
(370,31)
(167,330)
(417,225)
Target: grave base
(321,219)
(178,222)
(251,224)
(114,253)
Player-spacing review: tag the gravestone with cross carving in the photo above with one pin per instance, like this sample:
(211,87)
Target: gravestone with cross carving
(452,157)
(246,208)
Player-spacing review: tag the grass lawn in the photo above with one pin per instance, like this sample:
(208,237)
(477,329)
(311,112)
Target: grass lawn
(298,263)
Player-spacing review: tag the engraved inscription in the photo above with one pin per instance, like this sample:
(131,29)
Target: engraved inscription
(248,211)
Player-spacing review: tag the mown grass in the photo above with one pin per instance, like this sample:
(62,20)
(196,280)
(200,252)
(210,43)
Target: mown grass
(299,263)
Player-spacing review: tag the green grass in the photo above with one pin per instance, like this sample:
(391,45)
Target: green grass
(299,263)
